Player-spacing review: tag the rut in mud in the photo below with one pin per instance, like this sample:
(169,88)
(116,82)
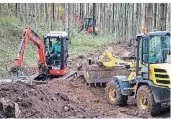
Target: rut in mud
(67,98)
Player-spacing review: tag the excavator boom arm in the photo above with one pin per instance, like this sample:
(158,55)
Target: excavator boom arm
(29,34)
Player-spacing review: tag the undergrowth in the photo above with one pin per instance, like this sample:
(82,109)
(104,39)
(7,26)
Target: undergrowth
(82,44)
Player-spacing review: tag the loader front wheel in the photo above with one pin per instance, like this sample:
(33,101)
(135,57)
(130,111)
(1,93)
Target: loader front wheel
(114,96)
(146,102)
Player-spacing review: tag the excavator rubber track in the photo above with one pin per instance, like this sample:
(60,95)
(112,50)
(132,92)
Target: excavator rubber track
(31,79)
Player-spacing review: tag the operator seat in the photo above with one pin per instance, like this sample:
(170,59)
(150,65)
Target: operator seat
(56,60)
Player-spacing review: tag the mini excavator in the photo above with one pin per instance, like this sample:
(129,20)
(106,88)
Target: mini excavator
(86,26)
(48,66)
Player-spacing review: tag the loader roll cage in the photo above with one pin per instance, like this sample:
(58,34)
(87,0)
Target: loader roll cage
(156,44)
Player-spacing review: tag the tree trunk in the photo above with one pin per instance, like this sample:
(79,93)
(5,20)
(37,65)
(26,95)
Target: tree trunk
(16,9)
(39,10)
(26,18)
(155,15)
(30,12)
(66,17)
(126,20)
(148,16)
(35,17)
(162,17)
(104,17)
(113,17)
(49,16)
(58,13)
(134,22)
(101,16)
(98,14)
(139,18)
(94,16)
(70,20)
(21,13)
(80,11)
(165,16)
(53,12)
(46,15)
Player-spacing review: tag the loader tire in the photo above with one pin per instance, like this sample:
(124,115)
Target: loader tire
(114,96)
(146,102)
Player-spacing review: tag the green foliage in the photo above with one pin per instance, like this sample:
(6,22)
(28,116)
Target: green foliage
(82,44)
(11,31)
(11,25)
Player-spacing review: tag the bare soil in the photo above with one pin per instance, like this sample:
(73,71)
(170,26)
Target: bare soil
(70,97)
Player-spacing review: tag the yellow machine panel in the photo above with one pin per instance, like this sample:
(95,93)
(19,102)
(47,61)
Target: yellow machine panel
(160,74)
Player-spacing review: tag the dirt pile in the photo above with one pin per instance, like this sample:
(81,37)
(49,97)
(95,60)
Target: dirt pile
(37,102)
(123,50)
(93,100)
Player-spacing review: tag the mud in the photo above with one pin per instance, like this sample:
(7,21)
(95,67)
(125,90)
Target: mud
(65,98)
(93,99)
(36,101)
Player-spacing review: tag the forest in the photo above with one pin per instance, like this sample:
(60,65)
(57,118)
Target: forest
(124,20)
(133,81)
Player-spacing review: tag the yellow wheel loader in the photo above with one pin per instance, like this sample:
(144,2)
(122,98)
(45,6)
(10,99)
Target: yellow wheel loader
(149,80)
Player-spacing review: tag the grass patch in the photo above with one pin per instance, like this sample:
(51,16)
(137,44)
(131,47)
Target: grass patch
(85,44)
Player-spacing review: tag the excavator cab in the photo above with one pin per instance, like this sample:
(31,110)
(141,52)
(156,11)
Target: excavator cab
(56,60)
(88,24)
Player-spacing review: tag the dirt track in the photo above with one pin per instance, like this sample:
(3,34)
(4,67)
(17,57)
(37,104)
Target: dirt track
(94,100)
(68,98)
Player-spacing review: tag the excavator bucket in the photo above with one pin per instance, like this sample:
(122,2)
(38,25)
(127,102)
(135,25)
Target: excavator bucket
(14,74)
(37,78)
